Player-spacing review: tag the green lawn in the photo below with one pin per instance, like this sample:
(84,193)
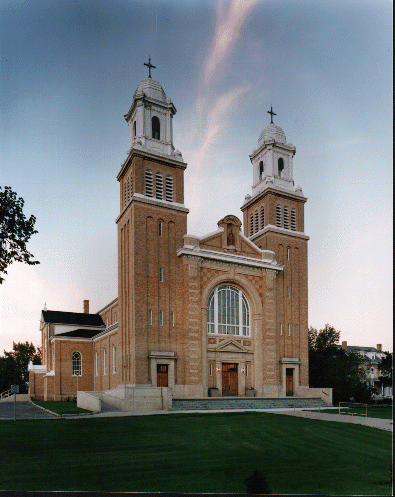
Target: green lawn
(212,452)
(60,407)
(373,412)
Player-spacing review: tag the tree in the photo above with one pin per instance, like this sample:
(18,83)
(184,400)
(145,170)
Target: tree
(14,366)
(385,366)
(332,367)
(15,231)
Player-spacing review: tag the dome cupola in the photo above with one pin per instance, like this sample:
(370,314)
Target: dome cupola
(150,118)
(272,160)
(151,89)
(272,132)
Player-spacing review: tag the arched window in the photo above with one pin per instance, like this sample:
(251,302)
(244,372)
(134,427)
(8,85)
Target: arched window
(261,170)
(251,224)
(134,129)
(280,167)
(148,183)
(169,188)
(293,220)
(286,218)
(76,364)
(159,186)
(256,228)
(262,217)
(278,216)
(155,128)
(228,312)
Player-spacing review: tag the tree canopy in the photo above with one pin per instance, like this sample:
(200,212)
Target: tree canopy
(386,367)
(14,366)
(332,367)
(15,231)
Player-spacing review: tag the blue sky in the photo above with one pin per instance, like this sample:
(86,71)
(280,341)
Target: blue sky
(68,71)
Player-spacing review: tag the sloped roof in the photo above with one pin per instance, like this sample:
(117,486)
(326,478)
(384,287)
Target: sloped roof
(72,318)
(81,333)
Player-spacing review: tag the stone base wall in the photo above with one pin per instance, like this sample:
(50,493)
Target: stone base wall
(322,393)
(188,391)
(129,399)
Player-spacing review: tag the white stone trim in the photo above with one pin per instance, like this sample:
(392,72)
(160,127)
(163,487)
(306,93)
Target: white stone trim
(138,197)
(36,368)
(281,231)
(229,258)
(109,330)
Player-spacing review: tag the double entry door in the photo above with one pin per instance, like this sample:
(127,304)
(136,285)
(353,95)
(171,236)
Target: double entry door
(229,380)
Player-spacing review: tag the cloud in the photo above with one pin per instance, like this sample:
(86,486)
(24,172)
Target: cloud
(226,35)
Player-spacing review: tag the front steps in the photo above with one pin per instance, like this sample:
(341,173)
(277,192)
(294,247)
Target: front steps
(245,403)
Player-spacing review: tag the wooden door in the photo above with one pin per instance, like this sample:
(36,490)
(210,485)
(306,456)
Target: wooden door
(289,378)
(162,378)
(229,379)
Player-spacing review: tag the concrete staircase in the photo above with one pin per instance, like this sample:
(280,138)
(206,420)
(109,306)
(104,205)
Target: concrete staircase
(245,403)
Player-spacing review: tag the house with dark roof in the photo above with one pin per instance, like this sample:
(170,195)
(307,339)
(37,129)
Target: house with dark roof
(370,362)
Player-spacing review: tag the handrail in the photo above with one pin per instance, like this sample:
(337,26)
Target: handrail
(5,394)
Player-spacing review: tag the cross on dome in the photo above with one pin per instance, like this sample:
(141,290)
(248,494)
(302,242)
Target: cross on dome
(271,114)
(150,66)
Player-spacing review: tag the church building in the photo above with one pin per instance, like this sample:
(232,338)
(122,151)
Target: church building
(224,314)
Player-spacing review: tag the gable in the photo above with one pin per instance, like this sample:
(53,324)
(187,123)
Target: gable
(230,346)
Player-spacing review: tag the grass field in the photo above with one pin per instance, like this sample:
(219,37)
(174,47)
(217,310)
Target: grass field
(372,412)
(60,407)
(213,452)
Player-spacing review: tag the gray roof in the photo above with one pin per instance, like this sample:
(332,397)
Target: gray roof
(84,333)
(72,318)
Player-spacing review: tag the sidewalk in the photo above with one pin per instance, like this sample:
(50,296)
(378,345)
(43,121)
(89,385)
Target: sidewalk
(381,424)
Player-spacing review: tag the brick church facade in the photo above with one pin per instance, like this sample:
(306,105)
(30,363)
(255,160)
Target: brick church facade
(223,314)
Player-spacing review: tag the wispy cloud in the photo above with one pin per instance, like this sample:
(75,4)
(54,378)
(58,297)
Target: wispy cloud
(226,35)
(213,108)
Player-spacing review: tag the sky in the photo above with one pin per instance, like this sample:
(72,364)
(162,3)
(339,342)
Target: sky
(68,72)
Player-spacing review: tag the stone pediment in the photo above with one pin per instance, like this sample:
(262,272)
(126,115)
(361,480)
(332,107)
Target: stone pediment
(230,346)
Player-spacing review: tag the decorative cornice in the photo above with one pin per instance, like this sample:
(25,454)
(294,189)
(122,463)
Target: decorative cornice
(107,331)
(281,231)
(227,258)
(274,191)
(272,143)
(137,197)
(155,157)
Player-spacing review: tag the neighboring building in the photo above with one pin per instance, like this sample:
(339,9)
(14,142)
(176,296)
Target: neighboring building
(224,311)
(371,358)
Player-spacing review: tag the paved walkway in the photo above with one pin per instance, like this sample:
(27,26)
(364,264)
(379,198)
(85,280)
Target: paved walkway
(24,410)
(381,424)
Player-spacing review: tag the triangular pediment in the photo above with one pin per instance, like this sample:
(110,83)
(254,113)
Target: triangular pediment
(230,346)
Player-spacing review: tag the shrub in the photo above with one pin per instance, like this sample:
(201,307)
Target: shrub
(257,484)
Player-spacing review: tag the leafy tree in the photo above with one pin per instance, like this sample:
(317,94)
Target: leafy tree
(386,367)
(15,231)
(332,367)
(14,366)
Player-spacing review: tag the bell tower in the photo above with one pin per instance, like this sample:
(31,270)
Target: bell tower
(150,117)
(273,218)
(151,226)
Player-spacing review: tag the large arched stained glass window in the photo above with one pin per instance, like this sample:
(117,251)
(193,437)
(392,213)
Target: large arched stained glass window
(228,312)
